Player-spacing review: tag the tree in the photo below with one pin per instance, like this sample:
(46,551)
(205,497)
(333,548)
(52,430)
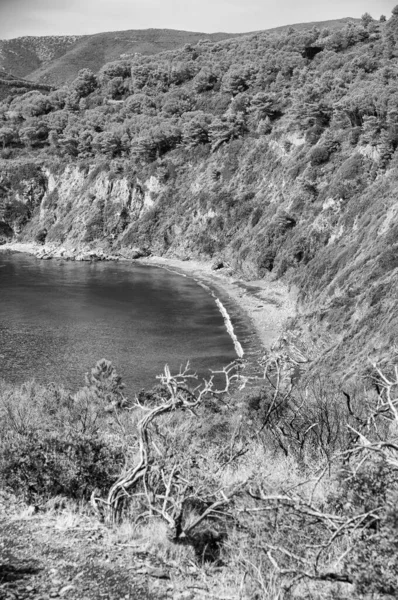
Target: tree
(264,126)
(108,143)
(115,69)
(366,19)
(140,104)
(239,79)
(53,138)
(69,142)
(389,44)
(57,121)
(164,484)
(28,136)
(6,136)
(226,129)
(263,105)
(156,142)
(181,72)
(105,382)
(205,80)
(115,88)
(370,129)
(85,83)
(84,147)
(72,100)
(196,130)
(40,105)
(177,103)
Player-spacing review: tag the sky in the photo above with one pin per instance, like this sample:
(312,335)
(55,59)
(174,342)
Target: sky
(79,17)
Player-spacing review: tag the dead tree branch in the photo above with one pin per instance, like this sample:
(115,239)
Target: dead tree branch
(162,486)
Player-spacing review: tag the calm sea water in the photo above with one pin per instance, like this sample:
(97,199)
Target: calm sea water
(58,318)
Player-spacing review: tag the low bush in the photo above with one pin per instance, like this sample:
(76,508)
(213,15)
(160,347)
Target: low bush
(319,155)
(94,228)
(265,261)
(40,466)
(16,211)
(54,443)
(41,235)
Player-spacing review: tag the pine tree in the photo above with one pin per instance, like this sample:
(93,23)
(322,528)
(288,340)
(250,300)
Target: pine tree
(104,380)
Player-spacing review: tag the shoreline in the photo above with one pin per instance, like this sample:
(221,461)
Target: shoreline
(265,305)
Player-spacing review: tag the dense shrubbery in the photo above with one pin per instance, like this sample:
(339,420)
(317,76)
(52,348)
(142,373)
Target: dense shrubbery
(54,443)
(291,481)
(40,466)
(246,84)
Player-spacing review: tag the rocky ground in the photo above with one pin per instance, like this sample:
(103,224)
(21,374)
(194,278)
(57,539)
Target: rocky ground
(44,556)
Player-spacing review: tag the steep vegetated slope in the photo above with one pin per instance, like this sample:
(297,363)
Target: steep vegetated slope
(276,152)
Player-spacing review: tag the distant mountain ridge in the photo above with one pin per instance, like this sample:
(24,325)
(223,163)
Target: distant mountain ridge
(22,56)
(55,60)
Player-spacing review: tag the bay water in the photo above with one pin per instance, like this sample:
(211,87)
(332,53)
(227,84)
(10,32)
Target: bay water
(58,318)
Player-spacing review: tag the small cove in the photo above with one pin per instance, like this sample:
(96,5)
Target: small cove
(57,318)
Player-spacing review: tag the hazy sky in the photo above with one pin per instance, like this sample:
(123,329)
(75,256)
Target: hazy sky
(57,17)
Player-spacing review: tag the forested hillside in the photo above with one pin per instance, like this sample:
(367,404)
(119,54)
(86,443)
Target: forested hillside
(273,151)
(56,60)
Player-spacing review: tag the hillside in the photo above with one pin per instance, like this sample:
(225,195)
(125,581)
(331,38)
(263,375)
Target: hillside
(58,59)
(333,24)
(21,56)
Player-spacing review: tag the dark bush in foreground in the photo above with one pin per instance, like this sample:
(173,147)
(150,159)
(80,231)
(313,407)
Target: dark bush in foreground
(39,468)
(53,443)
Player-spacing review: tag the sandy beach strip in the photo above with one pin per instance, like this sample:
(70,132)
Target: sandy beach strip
(265,303)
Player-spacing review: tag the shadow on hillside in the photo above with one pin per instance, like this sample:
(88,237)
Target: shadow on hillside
(10,573)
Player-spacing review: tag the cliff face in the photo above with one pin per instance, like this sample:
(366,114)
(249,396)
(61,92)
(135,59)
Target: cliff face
(90,207)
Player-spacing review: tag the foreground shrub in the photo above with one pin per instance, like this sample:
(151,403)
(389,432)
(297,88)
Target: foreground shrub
(294,484)
(55,443)
(40,467)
